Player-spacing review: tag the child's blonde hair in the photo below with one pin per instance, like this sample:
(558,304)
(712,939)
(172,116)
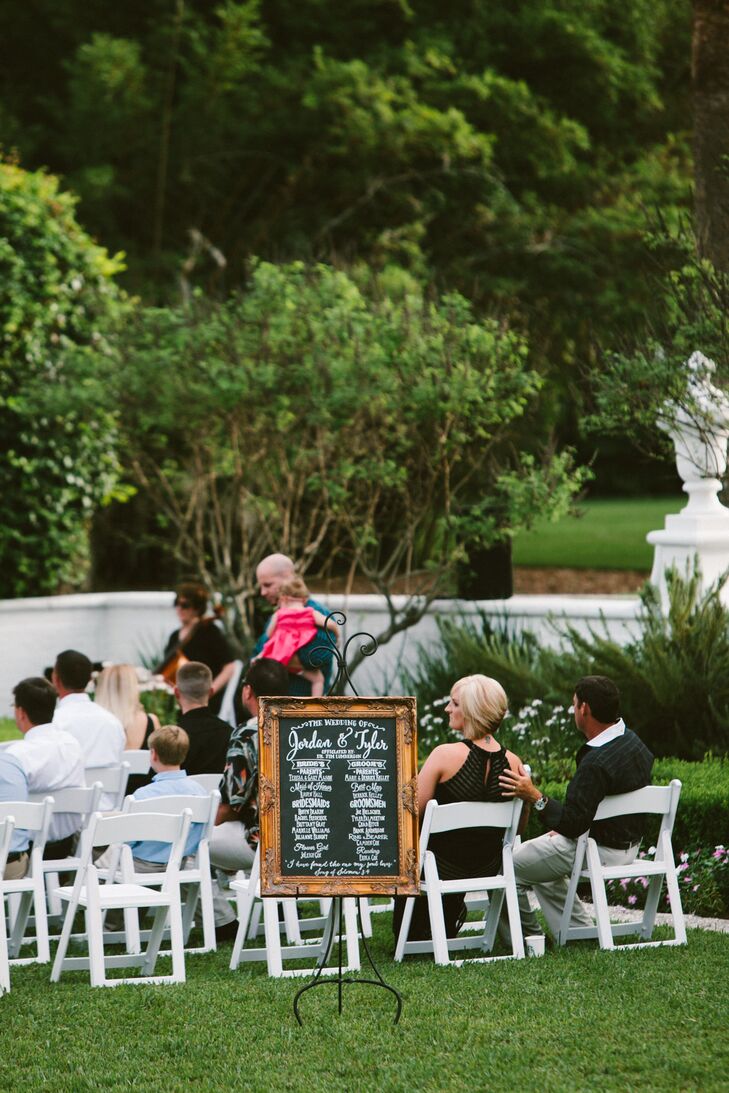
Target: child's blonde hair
(295,588)
(171,744)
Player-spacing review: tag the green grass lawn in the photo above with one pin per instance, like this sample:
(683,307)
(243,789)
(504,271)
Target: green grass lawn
(609,535)
(577,1019)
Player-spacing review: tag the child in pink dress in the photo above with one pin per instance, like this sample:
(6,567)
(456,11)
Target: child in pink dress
(292,626)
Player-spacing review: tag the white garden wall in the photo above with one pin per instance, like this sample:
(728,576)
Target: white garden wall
(118,626)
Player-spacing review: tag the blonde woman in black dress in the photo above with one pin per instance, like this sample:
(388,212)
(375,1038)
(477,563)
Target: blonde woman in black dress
(467,770)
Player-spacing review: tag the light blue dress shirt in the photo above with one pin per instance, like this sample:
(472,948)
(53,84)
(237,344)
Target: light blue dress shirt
(14,787)
(168,783)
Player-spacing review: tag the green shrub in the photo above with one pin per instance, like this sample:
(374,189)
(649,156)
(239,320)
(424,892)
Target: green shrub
(673,679)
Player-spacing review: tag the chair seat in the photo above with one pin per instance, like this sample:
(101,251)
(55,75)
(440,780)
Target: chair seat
(640,868)
(121,895)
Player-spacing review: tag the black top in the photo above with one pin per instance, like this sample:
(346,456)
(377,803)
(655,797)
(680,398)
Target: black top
(136,781)
(622,765)
(472,850)
(209,645)
(209,737)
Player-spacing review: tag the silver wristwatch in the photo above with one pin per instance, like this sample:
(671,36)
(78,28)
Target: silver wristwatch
(541,803)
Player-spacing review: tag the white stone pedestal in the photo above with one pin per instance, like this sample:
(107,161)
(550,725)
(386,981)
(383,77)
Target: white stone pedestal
(700,530)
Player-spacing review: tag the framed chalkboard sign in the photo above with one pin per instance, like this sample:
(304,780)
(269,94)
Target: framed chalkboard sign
(338,798)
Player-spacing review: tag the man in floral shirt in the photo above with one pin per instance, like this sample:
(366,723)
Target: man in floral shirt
(235,839)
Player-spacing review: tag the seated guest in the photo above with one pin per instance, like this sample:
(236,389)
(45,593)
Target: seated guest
(14,787)
(612,760)
(50,757)
(99,732)
(117,690)
(167,749)
(208,734)
(468,770)
(235,838)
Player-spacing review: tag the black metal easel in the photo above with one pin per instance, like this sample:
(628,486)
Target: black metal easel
(334,926)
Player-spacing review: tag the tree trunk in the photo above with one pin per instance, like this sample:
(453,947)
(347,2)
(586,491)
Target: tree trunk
(710,80)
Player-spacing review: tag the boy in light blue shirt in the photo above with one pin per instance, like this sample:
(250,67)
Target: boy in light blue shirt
(168,747)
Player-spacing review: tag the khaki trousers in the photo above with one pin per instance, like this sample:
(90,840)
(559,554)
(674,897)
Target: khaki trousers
(545,865)
(16,870)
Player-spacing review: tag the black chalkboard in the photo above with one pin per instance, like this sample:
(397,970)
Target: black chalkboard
(338,784)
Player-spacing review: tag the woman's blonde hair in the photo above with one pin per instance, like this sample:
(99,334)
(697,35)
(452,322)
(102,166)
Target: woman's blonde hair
(484,704)
(117,690)
(294,587)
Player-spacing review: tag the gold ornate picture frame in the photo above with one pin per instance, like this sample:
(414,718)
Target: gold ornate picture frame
(338,797)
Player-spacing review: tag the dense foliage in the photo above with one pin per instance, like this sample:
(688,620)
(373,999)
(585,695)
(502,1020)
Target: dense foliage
(58,302)
(356,426)
(513,152)
(673,677)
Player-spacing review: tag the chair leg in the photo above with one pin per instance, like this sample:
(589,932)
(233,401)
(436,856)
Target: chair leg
(435,910)
(63,941)
(564,926)
(599,895)
(43,948)
(94,930)
(493,914)
(177,944)
(291,922)
(674,894)
(4,964)
(365,917)
(274,959)
(402,937)
(651,907)
(20,923)
(245,907)
(155,939)
(351,938)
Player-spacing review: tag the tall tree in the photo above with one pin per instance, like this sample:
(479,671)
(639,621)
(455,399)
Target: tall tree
(710,78)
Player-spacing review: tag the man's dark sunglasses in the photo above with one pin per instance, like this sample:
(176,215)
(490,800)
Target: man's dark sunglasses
(182,603)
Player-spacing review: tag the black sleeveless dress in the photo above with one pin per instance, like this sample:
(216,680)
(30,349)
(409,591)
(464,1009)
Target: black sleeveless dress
(474,851)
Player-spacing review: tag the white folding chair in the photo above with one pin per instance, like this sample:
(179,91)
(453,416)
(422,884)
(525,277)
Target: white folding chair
(83,803)
(247,890)
(7,826)
(195,875)
(227,704)
(29,890)
(96,899)
(209,782)
(113,781)
(138,760)
(466,814)
(656,800)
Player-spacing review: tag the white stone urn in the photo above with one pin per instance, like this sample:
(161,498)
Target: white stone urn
(700,431)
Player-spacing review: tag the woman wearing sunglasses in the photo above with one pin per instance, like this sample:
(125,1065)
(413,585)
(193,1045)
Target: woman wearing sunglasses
(198,638)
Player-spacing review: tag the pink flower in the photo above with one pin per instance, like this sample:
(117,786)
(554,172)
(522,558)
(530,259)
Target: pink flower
(624,882)
(718,853)
(643,881)
(695,888)
(632,900)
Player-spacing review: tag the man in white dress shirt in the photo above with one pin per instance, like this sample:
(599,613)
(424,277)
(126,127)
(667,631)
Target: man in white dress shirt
(50,757)
(99,733)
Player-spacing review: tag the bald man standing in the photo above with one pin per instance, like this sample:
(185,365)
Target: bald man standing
(271,574)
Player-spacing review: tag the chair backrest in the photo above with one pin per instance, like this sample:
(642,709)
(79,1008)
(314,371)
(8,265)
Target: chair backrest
(209,782)
(83,800)
(227,704)
(657,800)
(32,816)
(7,826)
(137,827)
(113,780)
(203,810)
(438,818)
(138,760)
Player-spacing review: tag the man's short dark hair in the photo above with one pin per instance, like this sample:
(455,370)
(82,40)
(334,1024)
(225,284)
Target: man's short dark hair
(37,697)
(602,696)
(73,669)
(267,677)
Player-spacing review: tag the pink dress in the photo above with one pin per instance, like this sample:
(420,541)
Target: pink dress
(294,629)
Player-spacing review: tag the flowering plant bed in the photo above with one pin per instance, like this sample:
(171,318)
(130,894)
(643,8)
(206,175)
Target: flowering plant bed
(703,877)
